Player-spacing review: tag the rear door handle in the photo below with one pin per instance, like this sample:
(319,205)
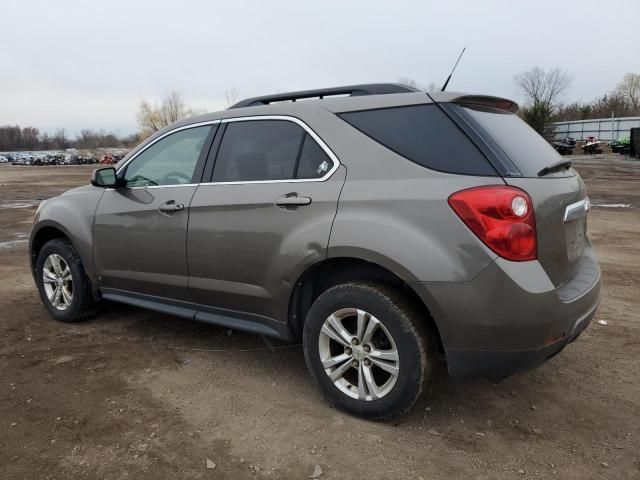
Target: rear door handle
(170,207)
(292,200)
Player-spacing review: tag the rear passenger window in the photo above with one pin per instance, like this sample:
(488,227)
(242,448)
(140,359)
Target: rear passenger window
(424,135)
(255,150)
(258,150)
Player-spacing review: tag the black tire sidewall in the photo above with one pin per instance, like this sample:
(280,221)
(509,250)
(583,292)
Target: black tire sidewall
(409,339)
(79,298)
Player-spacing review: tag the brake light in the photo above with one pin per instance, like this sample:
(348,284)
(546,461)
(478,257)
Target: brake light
(502,217)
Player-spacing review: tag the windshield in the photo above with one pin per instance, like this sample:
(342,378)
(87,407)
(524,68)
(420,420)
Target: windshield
(526,149)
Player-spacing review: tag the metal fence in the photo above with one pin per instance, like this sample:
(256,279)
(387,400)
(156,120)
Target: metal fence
(602,128)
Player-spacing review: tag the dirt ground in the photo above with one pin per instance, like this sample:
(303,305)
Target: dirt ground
(137,394)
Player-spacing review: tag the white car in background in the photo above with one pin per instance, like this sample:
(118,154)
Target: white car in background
(3,159)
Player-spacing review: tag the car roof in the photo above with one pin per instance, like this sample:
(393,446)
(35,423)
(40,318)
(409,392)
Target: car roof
(335,100)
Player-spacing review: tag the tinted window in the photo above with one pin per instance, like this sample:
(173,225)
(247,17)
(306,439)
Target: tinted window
(170,161)
(528,150)
(258,150)
(314,162)
(424,135)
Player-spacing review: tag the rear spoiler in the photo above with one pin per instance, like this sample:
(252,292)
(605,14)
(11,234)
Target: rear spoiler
(483,100)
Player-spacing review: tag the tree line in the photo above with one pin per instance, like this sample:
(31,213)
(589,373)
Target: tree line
(16,138)
(543,91)
(151,118)
(623,101)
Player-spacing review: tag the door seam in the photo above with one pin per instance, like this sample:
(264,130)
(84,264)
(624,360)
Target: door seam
(335,215)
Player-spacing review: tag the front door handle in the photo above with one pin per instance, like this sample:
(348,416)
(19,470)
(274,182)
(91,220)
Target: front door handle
(170,207)
(292,200)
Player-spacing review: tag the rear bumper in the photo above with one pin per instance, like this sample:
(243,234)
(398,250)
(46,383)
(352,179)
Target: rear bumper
(505,362)
(511,318)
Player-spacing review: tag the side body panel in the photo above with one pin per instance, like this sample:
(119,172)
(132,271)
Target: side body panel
(245,253)
(395,213)
(410,229)
(137,248)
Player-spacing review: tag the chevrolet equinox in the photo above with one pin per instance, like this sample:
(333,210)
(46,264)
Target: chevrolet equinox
(384,227)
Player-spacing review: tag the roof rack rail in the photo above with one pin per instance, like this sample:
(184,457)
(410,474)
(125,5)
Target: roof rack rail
(352,90)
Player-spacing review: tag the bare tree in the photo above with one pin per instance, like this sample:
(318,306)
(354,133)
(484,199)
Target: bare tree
(542,90)
(541,87)
(173,109)
(60,138)
(629,88)
(231,94)
(30,137)
(152,118)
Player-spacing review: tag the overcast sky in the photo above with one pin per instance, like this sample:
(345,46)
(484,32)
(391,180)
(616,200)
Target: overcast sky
(78,64)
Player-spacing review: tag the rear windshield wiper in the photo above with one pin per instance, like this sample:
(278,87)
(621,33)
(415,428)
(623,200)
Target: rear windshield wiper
(554,167)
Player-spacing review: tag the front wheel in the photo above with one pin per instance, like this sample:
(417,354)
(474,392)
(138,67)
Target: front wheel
(63,285)
(368,350)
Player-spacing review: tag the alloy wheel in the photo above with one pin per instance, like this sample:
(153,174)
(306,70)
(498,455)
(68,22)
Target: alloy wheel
(358,354)
(58,281)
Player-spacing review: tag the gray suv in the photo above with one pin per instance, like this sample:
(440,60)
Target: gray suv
(386,228)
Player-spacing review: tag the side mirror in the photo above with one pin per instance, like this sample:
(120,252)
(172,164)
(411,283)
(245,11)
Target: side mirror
(104,177)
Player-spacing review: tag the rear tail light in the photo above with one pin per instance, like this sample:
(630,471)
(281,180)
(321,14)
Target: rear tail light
(502,217)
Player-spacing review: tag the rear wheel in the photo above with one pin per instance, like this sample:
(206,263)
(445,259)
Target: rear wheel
(368,350)
(62,283)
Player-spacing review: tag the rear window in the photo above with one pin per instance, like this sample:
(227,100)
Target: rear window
(424,135)
(526,149)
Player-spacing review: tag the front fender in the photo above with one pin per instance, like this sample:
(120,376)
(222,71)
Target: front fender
(71,213)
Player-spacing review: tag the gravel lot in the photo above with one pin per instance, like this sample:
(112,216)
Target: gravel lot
(137,394)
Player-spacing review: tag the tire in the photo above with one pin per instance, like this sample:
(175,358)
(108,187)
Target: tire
(414,344)
(75,300)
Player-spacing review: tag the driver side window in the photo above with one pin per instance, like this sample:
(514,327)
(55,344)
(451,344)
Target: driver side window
(170,161)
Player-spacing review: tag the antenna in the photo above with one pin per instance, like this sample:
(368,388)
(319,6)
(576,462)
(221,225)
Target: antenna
(444,87)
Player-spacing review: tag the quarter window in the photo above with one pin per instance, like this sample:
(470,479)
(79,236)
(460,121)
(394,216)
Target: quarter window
(424,135)
(314,162)
(170,161)
(258,150)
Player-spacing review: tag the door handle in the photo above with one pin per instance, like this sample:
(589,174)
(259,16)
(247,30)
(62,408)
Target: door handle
(292,200)
(170,207)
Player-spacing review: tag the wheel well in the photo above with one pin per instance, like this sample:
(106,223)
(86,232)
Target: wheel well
(335,271)
(43,236)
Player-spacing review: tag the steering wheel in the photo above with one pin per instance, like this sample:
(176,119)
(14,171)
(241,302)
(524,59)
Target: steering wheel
(178,176)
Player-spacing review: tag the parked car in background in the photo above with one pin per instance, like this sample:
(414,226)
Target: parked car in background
(3,159)
(70,159)
(24,159)
(56,159)
(385,228)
